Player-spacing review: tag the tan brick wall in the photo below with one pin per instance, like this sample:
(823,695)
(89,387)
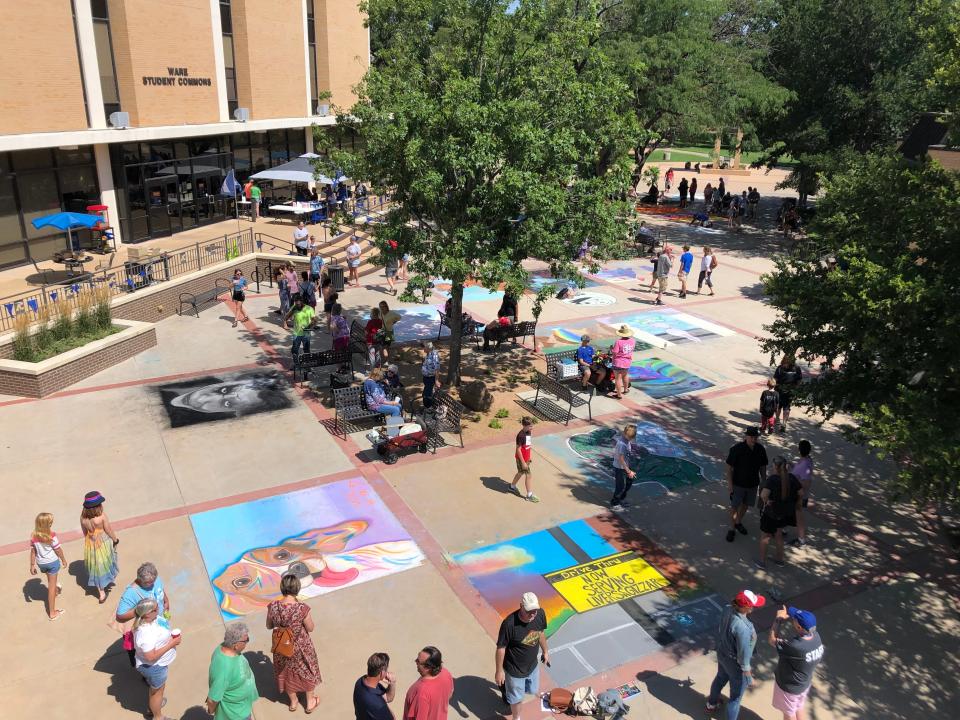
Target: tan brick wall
(268,40)
(342,48)
(12,383)
(149,38)
(40,84)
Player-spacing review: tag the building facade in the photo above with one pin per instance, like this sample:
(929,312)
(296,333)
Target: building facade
(144,107)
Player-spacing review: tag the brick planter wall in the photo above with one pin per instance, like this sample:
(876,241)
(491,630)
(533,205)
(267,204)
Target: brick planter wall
(43,378)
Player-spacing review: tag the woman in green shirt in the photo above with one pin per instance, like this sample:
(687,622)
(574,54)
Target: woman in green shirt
(233,689)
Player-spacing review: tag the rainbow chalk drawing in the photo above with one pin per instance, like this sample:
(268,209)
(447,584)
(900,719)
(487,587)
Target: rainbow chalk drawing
(659,378)
(331,536)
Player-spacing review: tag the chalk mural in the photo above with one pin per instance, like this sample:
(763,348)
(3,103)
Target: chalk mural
(331,536)
(661,461)
(616,274)
(222,397)
(419,322)
(540,278)
(587,298)
(471,293)
(652,328)
(659,378)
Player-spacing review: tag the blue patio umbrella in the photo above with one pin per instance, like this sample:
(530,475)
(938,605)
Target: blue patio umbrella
(67,221)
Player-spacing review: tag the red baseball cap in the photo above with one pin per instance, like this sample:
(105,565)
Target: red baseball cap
(748,598)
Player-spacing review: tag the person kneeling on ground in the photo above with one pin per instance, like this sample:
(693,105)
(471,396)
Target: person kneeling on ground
(377,400)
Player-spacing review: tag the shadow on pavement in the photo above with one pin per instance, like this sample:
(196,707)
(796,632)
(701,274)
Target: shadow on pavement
(683,698)
(126,684)
(476,697)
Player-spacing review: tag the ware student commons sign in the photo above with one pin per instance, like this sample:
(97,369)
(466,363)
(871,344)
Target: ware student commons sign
(606,581)
(177,76)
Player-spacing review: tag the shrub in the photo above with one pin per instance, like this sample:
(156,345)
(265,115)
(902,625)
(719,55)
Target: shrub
(85,321)
(495,424)
(63,324)
(22,340)
(102,309)
(43,335)
(502,413)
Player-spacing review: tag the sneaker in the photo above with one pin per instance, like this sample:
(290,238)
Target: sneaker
(533,498)
(617,508)
(740,528)
(659,302)
(778,563)
(761,565)
(730,535)
(712,707)
(683,295)
(516,491)
(798,542)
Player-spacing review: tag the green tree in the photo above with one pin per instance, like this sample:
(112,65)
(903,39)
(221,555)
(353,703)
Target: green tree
(498,134)
(692,66)
(939,21)
(883,319)
(856,72)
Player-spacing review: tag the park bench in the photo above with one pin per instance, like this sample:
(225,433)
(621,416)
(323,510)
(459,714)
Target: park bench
(306,362)
(563,393)
(195,300)
(358,339)
(350,405)
(470,329)
(446,415)
(524,329)
(556,360)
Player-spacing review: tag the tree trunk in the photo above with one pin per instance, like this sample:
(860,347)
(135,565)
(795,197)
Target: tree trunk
(456,313)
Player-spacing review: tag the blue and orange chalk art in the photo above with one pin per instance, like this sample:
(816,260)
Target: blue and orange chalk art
(660,379)
(331,536)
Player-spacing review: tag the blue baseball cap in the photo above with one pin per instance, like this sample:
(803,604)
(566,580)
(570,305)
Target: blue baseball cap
(804,618)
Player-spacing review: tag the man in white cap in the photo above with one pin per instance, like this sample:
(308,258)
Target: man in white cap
(522,637)
(736,641)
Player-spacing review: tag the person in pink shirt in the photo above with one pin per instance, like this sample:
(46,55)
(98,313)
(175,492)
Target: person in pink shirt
(429,697)
(622,354)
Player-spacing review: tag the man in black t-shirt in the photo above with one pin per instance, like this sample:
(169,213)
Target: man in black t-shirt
(746,466)
(799,656)
(788,375)
(373,691)
(522,637)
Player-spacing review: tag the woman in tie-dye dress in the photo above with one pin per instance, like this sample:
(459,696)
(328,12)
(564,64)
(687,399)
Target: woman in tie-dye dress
(99,545)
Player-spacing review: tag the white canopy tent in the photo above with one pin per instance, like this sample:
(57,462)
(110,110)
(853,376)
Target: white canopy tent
(297,170)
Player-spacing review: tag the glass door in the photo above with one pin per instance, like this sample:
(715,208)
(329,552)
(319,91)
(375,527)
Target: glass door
(163,205)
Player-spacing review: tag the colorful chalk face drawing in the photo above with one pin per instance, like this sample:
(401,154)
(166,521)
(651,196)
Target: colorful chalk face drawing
(419,322)
(653,328)
(331,536)
(660,379)
(616,274)
(661,462)
(587,298)
(223,397)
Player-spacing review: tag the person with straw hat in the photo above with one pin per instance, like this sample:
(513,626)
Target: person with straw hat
(622,353)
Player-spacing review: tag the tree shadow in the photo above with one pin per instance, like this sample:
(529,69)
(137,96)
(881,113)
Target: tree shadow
(476,697)
(682,697)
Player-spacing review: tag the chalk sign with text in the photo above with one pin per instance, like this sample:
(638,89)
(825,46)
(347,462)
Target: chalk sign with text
(606,581)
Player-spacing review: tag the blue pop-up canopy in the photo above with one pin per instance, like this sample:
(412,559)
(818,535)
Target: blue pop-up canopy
(67,221)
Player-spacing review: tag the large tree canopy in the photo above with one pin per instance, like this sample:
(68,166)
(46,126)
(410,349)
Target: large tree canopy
(692,65)
(498,135)
(857,72)
(885,317)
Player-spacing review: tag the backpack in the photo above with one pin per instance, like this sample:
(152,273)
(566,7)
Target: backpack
(584,701)
(559,700)
(768,402)
(282,642)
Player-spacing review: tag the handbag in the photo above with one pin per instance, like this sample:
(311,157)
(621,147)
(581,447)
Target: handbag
(282,642)
(559,700)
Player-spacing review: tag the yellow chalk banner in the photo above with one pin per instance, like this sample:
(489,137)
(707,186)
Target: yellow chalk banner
(606,581)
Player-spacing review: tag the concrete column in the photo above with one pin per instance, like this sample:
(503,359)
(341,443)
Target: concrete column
(219,62)
(108,194)
(89,66)
(306,58)
(308,136)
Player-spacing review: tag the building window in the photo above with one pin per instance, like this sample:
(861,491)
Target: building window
(105,61)
(229,63)
(312,47)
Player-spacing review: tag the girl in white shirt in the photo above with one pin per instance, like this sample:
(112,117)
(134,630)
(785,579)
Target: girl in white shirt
(46,556)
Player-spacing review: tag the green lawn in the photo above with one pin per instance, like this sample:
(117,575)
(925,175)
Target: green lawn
(704,154)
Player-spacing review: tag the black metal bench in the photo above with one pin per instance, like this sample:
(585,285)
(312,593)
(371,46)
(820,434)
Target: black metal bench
(306,362)
(470,329)
(524,329)
(563,393)
(195,300)
(555,359)
(446,415)
(350,405)
(358,339)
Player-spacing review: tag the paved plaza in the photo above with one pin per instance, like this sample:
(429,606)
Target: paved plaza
(434,550)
